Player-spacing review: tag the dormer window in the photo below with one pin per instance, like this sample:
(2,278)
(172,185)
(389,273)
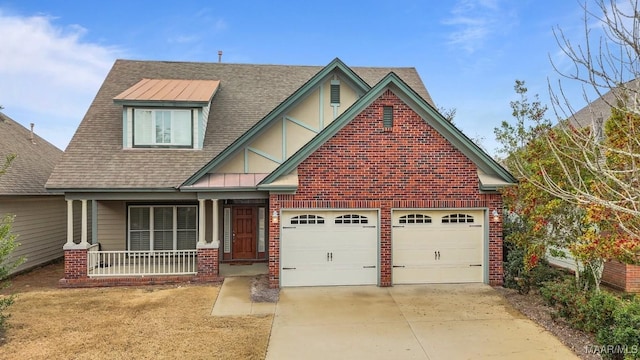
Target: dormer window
(160,127)
(166,113)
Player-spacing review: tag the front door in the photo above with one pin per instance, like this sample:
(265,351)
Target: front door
(244,233)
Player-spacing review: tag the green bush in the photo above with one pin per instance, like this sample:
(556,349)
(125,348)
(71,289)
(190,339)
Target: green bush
(623,335)
(513,267)
(568,301)
(599,311)
(543,273)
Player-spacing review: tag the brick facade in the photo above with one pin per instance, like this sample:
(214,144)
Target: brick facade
(622,276)
(368,166)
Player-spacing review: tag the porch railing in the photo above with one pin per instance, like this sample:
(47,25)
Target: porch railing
(141,263)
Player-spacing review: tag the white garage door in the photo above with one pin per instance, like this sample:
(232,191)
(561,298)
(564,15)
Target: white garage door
(329,248)
(437,246)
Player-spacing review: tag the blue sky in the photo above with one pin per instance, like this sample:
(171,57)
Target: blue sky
(55,54)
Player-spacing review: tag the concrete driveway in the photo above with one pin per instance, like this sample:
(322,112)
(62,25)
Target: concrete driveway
(468,321)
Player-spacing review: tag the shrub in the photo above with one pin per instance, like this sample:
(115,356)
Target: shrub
(543,273)
(7,246)
(600,310)
(623,335)
(514,267)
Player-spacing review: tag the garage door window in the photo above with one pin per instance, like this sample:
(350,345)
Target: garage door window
(351,219)
(415,219)
(457,218)
(307,220)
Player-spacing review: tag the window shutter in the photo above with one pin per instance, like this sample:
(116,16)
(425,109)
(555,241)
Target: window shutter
(387,116)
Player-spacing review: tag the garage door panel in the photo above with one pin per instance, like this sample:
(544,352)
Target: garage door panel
(341,250)
(437,251)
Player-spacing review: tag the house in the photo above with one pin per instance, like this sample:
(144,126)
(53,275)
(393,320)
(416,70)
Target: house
(40,216)
(332,175)
(621,276)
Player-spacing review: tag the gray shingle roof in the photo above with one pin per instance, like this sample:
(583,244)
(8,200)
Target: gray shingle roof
(95,159)
(34,162)
(599,110)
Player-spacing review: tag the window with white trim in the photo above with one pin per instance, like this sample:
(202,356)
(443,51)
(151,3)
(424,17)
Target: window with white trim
(457,218)
(162,128)
(309,219)
(155,228)
(415,219)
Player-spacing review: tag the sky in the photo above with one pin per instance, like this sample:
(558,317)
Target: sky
(55,54)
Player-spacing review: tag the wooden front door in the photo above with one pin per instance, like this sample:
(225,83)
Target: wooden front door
(244,233)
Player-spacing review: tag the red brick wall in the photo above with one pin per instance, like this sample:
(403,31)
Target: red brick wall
(621,276)
(366,166)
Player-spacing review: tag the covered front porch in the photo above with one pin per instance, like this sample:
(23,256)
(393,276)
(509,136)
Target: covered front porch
(134,239)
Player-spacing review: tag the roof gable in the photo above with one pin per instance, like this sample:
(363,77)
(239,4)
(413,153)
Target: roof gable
(336,64)
(392,82)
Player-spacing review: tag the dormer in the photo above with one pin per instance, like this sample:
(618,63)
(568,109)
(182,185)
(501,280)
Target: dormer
(166,113)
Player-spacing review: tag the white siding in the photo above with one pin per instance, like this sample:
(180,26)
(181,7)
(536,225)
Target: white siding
(40,223)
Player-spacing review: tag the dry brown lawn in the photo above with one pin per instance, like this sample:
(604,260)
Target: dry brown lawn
(125,323)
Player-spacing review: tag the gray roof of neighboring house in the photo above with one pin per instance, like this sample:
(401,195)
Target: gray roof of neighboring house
(94,158)
(599,110)
(33,164)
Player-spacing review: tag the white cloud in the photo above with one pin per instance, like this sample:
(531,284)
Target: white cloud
(48,74)
(475,21)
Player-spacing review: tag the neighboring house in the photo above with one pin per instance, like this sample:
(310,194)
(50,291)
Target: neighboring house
(621,276)
(40,216)
(333,175)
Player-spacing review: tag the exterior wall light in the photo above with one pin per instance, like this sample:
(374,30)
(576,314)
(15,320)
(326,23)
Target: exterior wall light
(496,215)
(274,217)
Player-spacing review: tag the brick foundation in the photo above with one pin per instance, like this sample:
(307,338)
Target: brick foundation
(622,276)
(75,264)
(408,166)
(208,264)
(76,272)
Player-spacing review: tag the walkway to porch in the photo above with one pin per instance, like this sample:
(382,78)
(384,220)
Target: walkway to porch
(229,269)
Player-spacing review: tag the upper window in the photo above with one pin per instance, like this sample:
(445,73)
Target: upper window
(162,128)
(415,219)
(351,219)
(307,220)
(457,218)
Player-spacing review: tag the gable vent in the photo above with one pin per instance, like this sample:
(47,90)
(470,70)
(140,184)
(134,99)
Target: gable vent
(387,116)
(335,91)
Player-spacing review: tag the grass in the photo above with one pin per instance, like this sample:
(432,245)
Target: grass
(125,323)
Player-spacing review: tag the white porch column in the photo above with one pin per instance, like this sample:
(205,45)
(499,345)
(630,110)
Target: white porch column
(83,234)
(215,228)
(201,222)
(69,223)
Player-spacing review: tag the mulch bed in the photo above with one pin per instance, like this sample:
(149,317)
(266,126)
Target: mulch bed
(532,305)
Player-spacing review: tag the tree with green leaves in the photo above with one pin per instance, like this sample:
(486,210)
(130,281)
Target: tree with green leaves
(594,171)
